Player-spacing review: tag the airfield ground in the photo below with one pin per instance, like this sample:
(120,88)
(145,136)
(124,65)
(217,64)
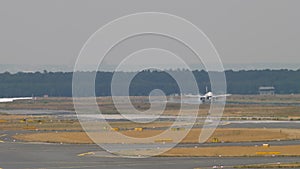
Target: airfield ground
(271,165)
(223,135)
(278,106)
(58,127)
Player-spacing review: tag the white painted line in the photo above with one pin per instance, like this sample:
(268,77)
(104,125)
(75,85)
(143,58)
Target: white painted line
(3,135)
(84,154)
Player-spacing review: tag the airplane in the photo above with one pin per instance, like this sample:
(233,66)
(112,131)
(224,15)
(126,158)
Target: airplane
(6,100)
(209,96)
(198,99)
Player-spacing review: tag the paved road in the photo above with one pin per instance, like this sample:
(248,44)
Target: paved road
(48,156)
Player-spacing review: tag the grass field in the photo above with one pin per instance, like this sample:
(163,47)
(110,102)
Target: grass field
(64,130)
(242,111)
(223,135)
(241,106)
(273,165)
(224,151)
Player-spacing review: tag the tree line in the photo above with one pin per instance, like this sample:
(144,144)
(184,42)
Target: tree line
(59,84)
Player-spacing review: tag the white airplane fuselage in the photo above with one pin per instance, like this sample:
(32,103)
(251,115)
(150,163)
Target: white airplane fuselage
(207,97)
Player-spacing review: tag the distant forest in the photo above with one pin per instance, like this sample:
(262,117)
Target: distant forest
(59,84)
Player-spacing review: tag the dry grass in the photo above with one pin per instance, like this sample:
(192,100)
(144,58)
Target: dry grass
(235,151)
(228,151)
(265,99)
(274,165)
(140,102)
(16,122)
(12,117)
(48,123)
(53,137)
(226,135)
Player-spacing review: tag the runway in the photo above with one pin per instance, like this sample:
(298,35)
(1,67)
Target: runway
(50,156)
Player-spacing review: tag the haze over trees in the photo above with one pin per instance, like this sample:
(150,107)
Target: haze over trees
(59,84)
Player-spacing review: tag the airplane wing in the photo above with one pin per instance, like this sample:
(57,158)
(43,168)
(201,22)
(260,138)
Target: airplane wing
(224,95)
(186,99)
(6,100)
(22,98)
(195,96)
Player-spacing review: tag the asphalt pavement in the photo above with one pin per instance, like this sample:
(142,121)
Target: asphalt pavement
(56,156)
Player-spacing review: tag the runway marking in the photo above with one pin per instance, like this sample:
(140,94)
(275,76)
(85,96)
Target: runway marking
(267,153)
(1,141)
(3,135)
(84,154)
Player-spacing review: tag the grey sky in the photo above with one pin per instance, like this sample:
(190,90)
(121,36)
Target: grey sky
(52,32)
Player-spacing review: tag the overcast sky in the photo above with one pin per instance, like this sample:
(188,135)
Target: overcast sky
(249,33)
